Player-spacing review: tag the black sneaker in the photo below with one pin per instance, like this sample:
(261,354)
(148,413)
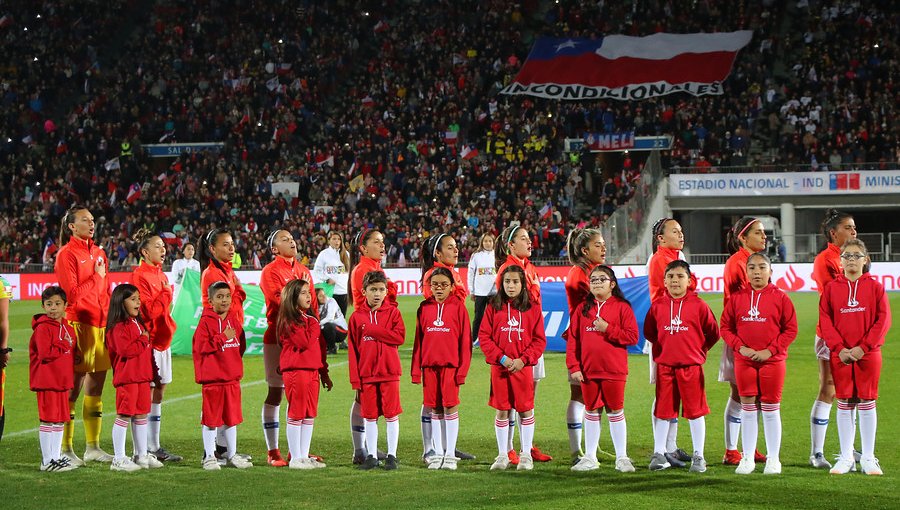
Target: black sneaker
(461,455)
(358,459)
(382,455)
(391,463)
(164,455)
(674,461)
(370,463)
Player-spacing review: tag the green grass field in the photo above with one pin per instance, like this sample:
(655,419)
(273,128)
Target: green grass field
(550,485)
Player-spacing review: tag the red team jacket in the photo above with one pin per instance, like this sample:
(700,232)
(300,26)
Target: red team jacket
(130,353)
(578,288)
(602,355)
(367,265)
(373,338)
(509,332)
(443,338)
(656,272)
(217,360)
(459,285)
(847,324)
(156,303)
(532,283)
(826,267)
(772,326)
(681,330)
(87,292)
(50,354)
(272,280)
(224,273)
(735,274)
(303,346)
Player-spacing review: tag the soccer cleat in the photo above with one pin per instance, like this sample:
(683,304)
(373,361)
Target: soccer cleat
(358,458)
(238,462)
(745,466)
(449,463)
(435,462)
(73,459)
(428,456)
(526,463)
(843,466)
(461,455)
(759,457)
(318,458)
(586,464)
(58,465)
(819,461)
(538,456)
(576,458)
(624,465)
(698,464)
(148,461)
(164,455)
(124,464)
(659,461)
(871,466)
(391,463)
(274,459)
(95,454)
(371,462)
(674,460)
(732,458)
(681,455)
(501,462)
(211,464)
(513,457)
(773,467)
(382,455)
(301,464)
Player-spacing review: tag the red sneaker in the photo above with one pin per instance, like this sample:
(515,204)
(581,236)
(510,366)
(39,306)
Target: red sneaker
(274,458)
(759,458)
(538,456)
(513,457)
(732,458)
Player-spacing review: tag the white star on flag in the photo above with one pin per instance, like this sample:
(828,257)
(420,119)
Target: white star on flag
(568,44)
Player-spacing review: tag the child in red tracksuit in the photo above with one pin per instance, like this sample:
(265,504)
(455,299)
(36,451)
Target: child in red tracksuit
(375,331)
(759,323)
(442,353)
(512,339)
(682,329)
(855,316)
(131,356)
(218,368)
(50,375)
(301,364)
(597,357)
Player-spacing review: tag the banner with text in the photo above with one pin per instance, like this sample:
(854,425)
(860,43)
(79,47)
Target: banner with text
(785,184)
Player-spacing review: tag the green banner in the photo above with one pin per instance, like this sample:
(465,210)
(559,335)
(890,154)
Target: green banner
(189,306)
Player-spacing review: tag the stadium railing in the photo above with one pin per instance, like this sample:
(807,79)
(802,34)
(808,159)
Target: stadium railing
(622,230)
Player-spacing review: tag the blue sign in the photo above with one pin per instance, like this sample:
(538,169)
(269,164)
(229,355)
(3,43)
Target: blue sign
(171,150)
(613,142)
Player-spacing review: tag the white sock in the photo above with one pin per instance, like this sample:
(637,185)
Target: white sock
(672,436)
(45,435)
(436,425)
(526,434)
(119,432)
(357,429)
(733,419)
(209,440)
(749,429)
(306,432)
(428,436)
(372,437)
(574,419)
(698,434)
(155,420)
(619,432)
(511,433)
(139,436)
(270,423)
(393,434)
(231,440)
(294,438)
(771,416)
(660,434)
(868,424)
(221,440)
(818,426)
(591,433)
(501,430)
(846,428)
(56,439)
(451,432)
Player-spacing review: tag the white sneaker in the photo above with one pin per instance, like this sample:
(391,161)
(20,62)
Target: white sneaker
(698,464)
(843,466)
(449,463)
(148,461)
(301,464)
(429,456)
(317,463)
(746,466)
(871,466)
(211,464)
(239,462)
(95,454)
(435,461)
(773,466)
(72,458)
(500,463)
(819,461)
(584,464)
(624,465)
(526,463)
(123,464)
(58,465)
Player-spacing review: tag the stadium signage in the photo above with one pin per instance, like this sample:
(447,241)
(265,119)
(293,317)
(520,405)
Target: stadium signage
(784,183)
(603,142)
(171,150)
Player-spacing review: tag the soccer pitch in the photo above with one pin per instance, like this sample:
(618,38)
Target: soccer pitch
(550,485)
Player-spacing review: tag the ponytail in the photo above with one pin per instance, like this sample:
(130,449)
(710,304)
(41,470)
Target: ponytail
(578,240)
(833,218)
(501,245)
(737,231)
(359,240)
(69,217)
(142,237)
(431,245)
(658,228)
(204,248)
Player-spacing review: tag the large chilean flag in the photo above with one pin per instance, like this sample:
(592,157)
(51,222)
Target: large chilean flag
(628,68)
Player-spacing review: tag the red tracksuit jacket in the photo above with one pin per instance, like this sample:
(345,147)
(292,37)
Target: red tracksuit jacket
(826,267)
(532,283)
(272,280)
(373,338)
(50,354)
(130,353)
(656,272)
(512,333)
(602,355)
(459,285)
(681,330)
(735,274)
(443,338)
(854,314)
(578,288)
(87,291)
(770,324)
(156,303)
(367,265)
(219,272)
(217,360)
(303,346)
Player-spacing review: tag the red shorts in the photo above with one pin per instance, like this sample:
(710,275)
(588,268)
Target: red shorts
(603,393)
(439,388)
(759,379)
(512,391)
(380,399)
(301,389)
(133,399)
(221,405)
(53,406)
(680,387)
(856,380)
